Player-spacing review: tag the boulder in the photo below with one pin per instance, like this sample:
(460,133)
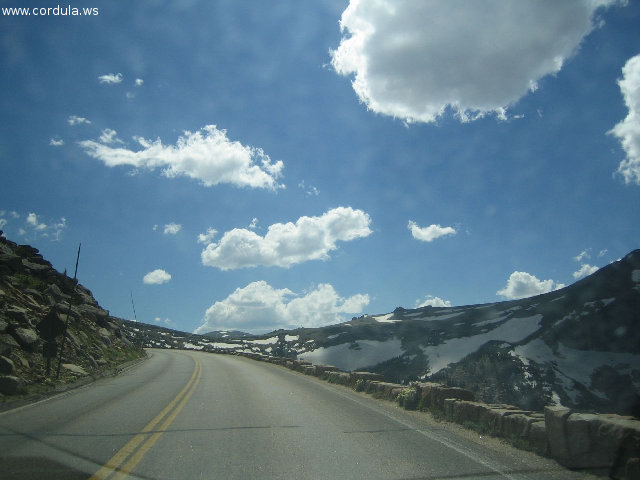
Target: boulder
(6,366)
(75,369)
(10,384)
(26,337)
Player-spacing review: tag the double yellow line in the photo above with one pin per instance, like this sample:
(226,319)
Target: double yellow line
(126,459)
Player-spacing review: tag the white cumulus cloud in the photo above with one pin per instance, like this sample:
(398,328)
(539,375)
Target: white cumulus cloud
(430,233)
(259,307)
(628,130)
(523,284)
(206,155)
(157,277)
(56,142)
(413,59)
(285,244)
(139,82)
(432,301)
(172,228)
(585,269)
(110,78)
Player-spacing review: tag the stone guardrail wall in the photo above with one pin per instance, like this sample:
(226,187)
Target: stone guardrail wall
(599,443)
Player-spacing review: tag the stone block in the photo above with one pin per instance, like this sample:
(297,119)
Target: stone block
(555,418)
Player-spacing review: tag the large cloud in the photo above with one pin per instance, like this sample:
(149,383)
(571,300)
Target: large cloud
(259,307)
(430,233)
(412,59)
(206,155)
(285,244)
(523,284)
(628,130)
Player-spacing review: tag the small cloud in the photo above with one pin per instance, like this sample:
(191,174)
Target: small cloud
(585,270)
(172,228)
(582,255)
(157,277)
(432,301)
(32,219)
(208,237)
(3,222)
(430,233)
(110,78)
(602,253)
(254,223)
(139,82)
(155,227)
(75,120)
(166,321)
(56,142)
(109,136)
(523,284)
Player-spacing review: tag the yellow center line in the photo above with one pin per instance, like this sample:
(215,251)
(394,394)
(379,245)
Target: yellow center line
(129,450)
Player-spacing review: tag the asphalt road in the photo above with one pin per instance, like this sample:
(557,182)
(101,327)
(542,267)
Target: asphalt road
(191,415)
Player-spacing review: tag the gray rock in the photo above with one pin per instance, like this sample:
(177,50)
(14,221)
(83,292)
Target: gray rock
(6,366)
(35,267)
(26,337)
(555,420)
(75,369)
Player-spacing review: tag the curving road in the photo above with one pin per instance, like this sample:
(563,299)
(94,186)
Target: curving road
(191,415)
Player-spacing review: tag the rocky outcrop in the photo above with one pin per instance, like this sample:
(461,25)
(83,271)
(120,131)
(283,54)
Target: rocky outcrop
(36,303)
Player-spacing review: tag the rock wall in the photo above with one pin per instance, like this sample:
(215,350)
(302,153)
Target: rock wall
(32,290)
(601,444)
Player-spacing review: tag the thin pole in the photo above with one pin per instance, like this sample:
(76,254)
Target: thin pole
(66,324)
(134,307)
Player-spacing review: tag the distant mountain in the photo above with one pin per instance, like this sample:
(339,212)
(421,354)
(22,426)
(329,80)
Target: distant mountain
(578,346)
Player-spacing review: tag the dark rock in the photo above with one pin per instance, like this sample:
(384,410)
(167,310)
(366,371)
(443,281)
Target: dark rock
(6,366)
(10,385)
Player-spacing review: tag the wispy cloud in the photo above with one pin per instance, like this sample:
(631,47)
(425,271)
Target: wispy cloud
(523,284)
(286,244)
(156,277)
(56,142)
(109,136)
(206,155)
(207,237)
(408,63)
(75,120)
(259,307)
(34,227)
(172,228)
(111,78)
(139,82)
(430,233)
(628,130)
(582,255)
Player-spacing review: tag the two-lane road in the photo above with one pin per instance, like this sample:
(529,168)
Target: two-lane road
(190,415)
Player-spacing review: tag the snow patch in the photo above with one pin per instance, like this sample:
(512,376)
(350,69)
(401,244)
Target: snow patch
(290,338)
(371,352)
(265,341)
(385,318)
(454,350)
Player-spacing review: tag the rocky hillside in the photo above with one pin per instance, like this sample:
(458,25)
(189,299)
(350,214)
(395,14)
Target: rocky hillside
(31,290)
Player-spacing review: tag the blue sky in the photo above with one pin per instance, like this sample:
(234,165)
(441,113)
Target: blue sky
(261,165)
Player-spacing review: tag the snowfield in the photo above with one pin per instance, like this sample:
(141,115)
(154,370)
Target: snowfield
(371,352)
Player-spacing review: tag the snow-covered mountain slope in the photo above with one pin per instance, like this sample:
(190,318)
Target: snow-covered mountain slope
(578,346)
